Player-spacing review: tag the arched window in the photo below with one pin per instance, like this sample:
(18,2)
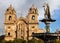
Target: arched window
(33,12)
(10,17)
(7,9)
(33,17)
(10,12)
(8,27)
(30,9)
(9,34)
(33,26)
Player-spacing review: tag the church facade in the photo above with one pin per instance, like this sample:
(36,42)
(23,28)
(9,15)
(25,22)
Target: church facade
(21,28)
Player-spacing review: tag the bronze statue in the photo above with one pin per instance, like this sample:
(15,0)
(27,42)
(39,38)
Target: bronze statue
(47,18)
(47,12)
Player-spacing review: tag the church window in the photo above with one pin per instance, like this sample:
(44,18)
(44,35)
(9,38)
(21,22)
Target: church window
(9,34)
(10,12)
(10,17)
(7,9)
(14,21)
(9,27)
(22,37)
(32,11)
(33,26)
(33,17)
(21,24)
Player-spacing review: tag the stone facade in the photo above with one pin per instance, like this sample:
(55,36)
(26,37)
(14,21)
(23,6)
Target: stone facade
(23,27)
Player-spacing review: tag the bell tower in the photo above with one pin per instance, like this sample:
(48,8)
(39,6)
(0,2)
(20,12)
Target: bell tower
(10,24)
(10,16)
(33,15)
(33,20)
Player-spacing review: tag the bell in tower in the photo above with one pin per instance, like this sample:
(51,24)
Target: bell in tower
(33,15)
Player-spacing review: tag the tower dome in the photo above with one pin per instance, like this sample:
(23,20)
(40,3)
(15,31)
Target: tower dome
(33,7)
(33,10)
(10,10)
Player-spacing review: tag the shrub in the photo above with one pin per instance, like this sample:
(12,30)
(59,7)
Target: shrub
(35,41)
(56,41)
(3,41)
(23,41)
(19,41)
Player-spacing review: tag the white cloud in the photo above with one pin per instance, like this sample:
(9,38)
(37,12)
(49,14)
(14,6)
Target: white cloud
(18,2)
(41,14)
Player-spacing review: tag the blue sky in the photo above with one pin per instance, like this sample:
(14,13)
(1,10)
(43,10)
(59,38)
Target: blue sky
(22,6)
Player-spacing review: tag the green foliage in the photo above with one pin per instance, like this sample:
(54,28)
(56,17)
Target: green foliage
(15,41)
(29,41)
(23,41)
(9,42)
(18,41)
(40,41)
(56,41)
(35,41)
(3,41)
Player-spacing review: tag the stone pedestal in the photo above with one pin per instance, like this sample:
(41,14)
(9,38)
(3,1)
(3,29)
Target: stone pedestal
(47,23)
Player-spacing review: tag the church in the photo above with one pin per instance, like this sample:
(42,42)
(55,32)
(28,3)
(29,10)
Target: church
(21,28)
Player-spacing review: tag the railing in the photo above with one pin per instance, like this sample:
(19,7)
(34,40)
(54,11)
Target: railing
(50,34)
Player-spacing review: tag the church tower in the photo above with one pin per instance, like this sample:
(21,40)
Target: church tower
(33,20)
(10,24)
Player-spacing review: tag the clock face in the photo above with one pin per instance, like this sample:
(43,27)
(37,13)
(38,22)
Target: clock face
(33,17)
